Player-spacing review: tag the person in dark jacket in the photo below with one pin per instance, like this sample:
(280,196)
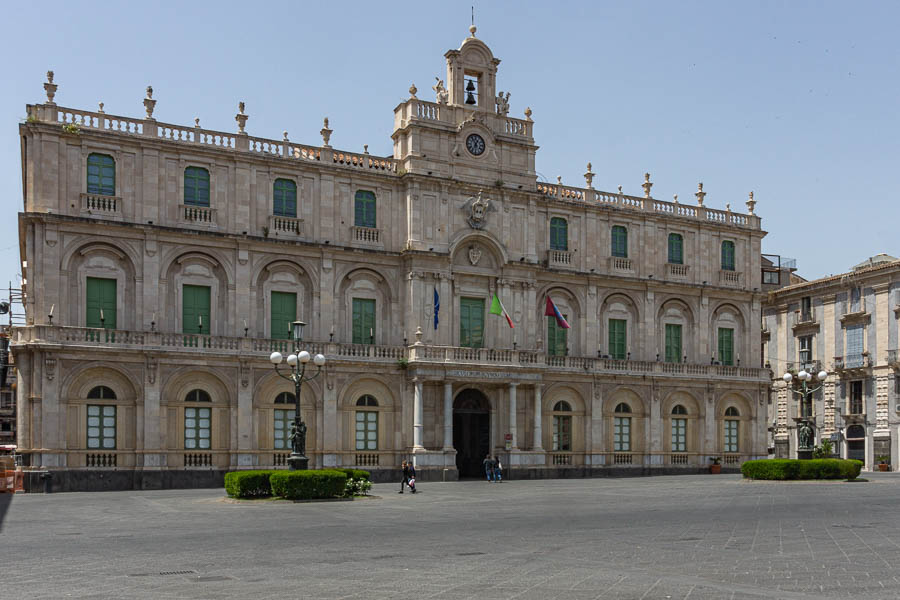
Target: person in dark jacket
(489,467)
(404,466)
(498,470)
(411,482)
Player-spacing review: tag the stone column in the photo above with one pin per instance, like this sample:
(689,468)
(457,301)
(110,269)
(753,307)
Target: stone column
(417,415)
(512,415)
(23,399)
(244,417)
(537,443)
(448,415)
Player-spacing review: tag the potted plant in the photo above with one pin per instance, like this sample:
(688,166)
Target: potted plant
(883,463)
(716,467)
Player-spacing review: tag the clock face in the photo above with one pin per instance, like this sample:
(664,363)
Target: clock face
(475,144)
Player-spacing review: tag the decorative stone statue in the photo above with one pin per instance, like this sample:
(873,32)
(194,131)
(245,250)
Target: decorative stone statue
(298,438)
(477,209)
(804,436)
(502,104)
(442,94)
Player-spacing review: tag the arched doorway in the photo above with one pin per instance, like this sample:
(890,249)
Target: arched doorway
(471,432)
(856,443)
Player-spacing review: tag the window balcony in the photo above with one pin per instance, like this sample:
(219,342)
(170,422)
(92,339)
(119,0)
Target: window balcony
(203,216)
(101,206)
(893,358)
(804,322)
(560,259)
(852,362)
(621,265)
(285,227)
(730,278)
(369,236)
(676,271)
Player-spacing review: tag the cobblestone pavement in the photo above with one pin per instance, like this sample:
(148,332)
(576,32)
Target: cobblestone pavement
(690,537)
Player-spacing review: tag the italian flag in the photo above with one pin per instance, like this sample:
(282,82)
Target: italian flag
(498,309)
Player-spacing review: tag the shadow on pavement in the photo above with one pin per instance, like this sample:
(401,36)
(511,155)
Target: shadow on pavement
(5,500)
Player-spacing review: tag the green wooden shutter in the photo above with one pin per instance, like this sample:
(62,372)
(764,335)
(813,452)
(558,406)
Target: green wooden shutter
(195,309)
(617,339)
(471,322)
(673,343)
(363,321)
(727,256)
(364,209)
(676,249)
(285,201)
(100,295)
(196,186)
(726,345)
(284,312)
(619,241)
(556,338)
(559,234)
(101,175)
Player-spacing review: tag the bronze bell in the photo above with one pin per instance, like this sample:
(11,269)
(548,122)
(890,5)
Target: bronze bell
(470,99)
(470,87)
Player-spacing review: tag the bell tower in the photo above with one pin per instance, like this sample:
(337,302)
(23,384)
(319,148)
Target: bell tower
(466,133)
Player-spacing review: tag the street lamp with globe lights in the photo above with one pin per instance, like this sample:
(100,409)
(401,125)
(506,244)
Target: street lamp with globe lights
(805,436)
(297,362)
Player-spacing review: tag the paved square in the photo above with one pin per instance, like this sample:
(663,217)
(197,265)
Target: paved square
(663,537)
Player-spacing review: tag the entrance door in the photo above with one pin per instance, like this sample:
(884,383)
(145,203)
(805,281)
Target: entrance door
(856,443)
(471,432)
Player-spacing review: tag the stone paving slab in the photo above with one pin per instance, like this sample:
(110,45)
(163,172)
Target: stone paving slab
(689,537)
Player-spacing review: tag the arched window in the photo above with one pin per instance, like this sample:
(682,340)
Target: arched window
(197,396)
(364,209)
(676,249)
(283,419)
(679,429)
(101,175)
(366,424)
(559,234)
(196,186)
(285,198)
(622,429)
(562,427)
(101,392)
(197,421)
(732,431)
(285,398)
(728,255)
(619,241)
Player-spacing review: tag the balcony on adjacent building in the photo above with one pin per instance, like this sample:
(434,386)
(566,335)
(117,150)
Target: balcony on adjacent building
(730,278)
(621,265)
(202,216)
(560,259)
(369,236)
(852,361)
(285,227)
(677,271)
(893,358)
(101,206)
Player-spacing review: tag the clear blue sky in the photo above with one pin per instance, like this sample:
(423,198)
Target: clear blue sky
(797,101)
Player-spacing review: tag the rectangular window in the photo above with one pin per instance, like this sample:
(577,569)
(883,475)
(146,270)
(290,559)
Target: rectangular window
(856,397)
(771,277)
(364,209)
(556,338)
(726,346)
(805,350)
(471,322)
(283,420)
(728,255)
(676,249)
(854,356)
(619,241)
(366,430)
(285,201)
(673,343)
(622,434)
(559,234)
(679,435)
(562,433)
(195,309)
(101,427)
(805,309)
(196,186)
(731,436)
(284,312)
(100,301)
(363,321)
(197,427)
(617,338)
(101,175)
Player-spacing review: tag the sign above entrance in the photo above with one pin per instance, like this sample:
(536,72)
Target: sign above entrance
(494,375)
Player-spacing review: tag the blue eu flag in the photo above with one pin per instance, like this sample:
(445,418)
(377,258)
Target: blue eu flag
(437,306)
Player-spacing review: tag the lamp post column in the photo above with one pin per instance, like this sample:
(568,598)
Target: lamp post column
(417,415)
(512,415)
(448,416)
(536,444)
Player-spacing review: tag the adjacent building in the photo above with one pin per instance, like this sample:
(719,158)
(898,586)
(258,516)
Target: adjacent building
(164,263)
(846,326)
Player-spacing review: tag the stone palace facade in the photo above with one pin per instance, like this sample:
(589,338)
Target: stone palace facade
(846,325)
(164,262)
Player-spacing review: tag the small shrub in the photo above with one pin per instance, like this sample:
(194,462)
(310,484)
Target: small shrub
(787,469)
(357,487)
(72,128)
(306,485)
(248,484)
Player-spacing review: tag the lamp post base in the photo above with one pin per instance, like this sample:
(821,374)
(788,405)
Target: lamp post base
(298,462)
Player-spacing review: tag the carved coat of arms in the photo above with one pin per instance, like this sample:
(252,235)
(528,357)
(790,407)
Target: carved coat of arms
(477,209)
(474,255)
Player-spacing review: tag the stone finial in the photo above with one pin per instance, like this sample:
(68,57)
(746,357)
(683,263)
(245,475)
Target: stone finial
(197,122)
(241,118)
(365,148)
(412,90)
(559,180)
(149,103)
(646,185)
(700,194)
(620,190)
(527,113)
(751,203)
(285,136)
(589,177)
(326,134)
(472,29)
(419,336)
(100,107)
(50,88)
(728,208)
(675,198)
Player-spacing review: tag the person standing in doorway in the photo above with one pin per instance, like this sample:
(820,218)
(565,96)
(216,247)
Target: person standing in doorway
(404,466)
(498,470)
(489,468)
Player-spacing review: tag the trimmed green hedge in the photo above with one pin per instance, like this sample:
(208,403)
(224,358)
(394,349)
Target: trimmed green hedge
(305,485)
(248,484)
(353,473)
(783,468)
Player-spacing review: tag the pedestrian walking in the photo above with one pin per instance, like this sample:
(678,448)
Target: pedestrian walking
(498,470)
(412,477)
(489,468)
(404,467)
